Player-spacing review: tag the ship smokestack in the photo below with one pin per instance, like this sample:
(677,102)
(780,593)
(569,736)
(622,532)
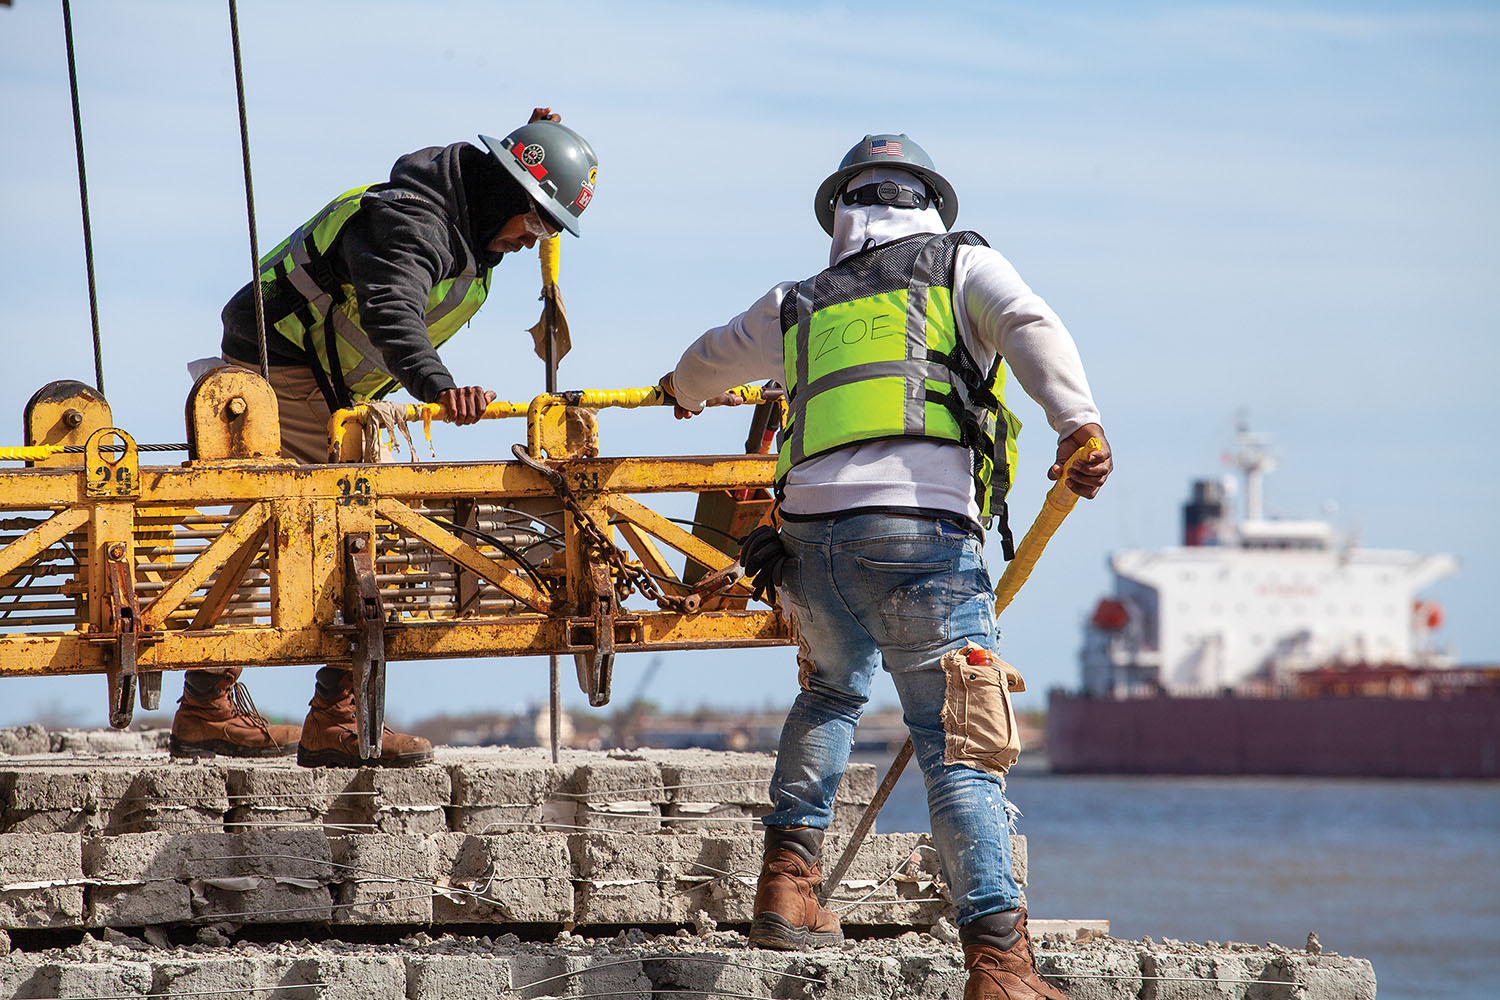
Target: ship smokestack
(1203,515)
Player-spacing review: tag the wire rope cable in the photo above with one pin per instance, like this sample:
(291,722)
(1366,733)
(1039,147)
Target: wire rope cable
(239,88)
(83,197)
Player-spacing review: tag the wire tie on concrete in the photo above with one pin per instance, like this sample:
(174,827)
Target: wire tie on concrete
(889,879)
(436,887)
(667,788)
(294,795)
(543,826)
(740,876)
(672,958)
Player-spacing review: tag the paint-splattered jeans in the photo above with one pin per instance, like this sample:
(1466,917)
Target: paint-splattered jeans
(873,589)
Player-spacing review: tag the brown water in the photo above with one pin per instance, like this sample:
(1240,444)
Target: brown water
(1403,873)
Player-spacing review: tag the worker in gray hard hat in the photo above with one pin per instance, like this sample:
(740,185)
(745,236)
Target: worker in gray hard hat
(357,302)
(897,455)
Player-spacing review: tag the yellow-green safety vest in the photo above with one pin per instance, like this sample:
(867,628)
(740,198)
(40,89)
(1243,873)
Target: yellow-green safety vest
(872,352)
(306,304)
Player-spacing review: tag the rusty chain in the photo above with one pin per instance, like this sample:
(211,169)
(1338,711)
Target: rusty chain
(629,577)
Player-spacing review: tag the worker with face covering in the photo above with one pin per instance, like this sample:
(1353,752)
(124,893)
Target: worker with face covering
(898,451)
(357,302)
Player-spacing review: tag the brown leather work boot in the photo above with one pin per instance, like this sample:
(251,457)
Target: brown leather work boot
(788,915)
(226,722)
(997,953)
(330,737)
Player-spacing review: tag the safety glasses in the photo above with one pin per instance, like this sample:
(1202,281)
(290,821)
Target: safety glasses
(539,225)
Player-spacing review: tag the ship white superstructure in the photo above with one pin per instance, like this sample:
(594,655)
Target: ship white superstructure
(1250,603)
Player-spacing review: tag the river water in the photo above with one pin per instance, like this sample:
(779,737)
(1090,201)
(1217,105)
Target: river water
(1403,873)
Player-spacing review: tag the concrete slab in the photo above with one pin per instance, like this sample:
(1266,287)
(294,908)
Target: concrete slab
(911,966)
(41,880)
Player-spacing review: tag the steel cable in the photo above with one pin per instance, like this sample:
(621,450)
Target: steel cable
(239,87)
(83,197)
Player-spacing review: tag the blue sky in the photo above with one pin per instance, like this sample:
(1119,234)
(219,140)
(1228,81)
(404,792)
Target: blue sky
(1286,208)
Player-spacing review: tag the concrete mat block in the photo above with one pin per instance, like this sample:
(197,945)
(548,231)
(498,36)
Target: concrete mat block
(350,976)
(140,904)
(520,877)
(579,975)
(142,857)
(1103,971)
(622,879)
(442,977)
(702,776)
(28,739)
(508,777)
(20,978)
(113,798)
(41,880)
(384,878)
(618,777)
(619,815)
(723,818)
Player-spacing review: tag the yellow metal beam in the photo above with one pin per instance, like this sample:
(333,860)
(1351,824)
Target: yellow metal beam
(246,528)
(231,482)
(683,541)
(41,538)
(264,645)
(463,553)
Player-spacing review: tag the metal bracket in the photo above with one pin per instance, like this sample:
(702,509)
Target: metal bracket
(125,619)
(364,615)
(596,668)
(116,475)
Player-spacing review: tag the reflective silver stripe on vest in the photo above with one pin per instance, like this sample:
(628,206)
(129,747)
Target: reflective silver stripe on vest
(452,300)
(801,390)
(369,355)
(915,416)
(302,281)
(906,370)
(371,361)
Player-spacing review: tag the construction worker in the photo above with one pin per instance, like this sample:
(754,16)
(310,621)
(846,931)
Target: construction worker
(897,450)
(357,301)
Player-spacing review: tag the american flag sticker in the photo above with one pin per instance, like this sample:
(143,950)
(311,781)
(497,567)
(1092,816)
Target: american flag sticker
(890,147)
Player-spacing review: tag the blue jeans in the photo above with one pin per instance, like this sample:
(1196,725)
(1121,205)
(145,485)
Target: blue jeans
(869,590)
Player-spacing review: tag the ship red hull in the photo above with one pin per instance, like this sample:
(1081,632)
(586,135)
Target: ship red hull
(1444,737)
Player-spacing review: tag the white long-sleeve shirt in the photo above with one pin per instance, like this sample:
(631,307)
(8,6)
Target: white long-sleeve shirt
(997,314)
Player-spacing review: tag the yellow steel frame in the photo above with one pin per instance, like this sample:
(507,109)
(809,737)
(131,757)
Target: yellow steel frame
(304,529)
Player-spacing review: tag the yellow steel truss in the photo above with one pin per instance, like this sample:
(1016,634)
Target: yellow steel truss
(239,557)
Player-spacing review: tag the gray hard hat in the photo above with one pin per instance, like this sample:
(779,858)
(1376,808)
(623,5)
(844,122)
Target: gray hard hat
(553,164)
(886,150)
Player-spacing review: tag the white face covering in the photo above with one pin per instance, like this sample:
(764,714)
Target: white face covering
(854,225)
(535,226)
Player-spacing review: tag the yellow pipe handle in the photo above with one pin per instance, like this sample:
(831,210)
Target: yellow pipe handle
(548,251)
(1059,503)
(338,423)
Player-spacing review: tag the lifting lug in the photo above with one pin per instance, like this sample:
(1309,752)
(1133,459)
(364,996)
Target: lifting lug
(597,666)
(125,621)
(363,613)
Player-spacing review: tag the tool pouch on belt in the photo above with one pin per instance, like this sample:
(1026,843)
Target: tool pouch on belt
(978,720)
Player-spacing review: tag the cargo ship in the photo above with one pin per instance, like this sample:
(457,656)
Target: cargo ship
(1271,646)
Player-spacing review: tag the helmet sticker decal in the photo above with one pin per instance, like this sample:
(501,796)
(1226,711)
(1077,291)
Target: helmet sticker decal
(531,157)
(891,147)
(593,174)
(585,195)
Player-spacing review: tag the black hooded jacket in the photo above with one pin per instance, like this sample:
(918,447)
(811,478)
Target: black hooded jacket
(393,252)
